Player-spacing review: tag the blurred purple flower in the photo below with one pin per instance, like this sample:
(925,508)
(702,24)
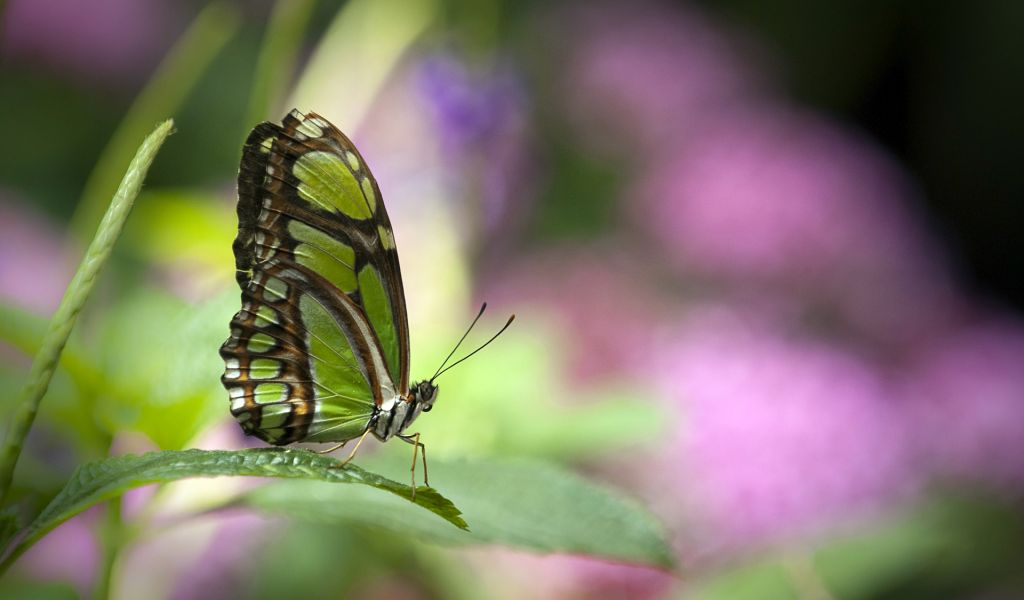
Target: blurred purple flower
(782,437)
(653,71)
(68,554)
(111,40)
(480,121)
(35,264)
(967,394)
(469,109)
(775,198)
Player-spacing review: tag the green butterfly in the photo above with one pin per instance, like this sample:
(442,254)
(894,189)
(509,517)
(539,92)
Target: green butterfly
(320,350)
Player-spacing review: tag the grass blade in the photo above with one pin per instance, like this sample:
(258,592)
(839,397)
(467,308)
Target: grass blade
(276,61)
(63,321)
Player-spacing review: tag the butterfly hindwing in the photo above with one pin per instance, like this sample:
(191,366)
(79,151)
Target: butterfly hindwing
(315,249)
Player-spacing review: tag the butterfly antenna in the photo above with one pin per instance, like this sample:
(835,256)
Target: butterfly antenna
(510,319)
(480,314)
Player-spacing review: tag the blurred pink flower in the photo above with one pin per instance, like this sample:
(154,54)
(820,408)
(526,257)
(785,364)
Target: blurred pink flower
(651,70)
(605,302)
(110,40)
(559,576)
(68,554)
(35,264)
(782,437)
(967,398)
(788,200)
(225,568)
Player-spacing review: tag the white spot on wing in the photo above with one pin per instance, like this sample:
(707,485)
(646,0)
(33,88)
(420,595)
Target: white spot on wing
(310,128)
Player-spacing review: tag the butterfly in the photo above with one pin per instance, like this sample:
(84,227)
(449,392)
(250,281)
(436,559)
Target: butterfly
(319,351)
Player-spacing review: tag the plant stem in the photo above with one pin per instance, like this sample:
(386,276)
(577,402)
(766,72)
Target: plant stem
(112,537)
(74,299)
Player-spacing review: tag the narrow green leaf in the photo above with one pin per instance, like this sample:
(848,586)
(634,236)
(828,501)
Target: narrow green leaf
(527,504)
(276,61)
(163,95)
(361,47)
(63,320)
(8,527)
(104,479)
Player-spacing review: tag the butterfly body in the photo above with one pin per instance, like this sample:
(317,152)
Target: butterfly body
(319,351)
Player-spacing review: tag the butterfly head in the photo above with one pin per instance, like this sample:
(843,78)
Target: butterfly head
(424,394)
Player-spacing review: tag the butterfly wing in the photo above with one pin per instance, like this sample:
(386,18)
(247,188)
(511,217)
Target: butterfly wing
(322,337)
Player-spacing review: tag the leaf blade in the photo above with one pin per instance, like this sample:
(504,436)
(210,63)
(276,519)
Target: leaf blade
(528,504)
(104,479)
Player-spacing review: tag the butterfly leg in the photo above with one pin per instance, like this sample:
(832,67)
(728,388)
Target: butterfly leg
(331,449)
(354,450)
(414,439)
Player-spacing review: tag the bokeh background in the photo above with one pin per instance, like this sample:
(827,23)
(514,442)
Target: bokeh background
(766,261)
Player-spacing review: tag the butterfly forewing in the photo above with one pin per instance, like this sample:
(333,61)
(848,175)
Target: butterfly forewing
(322,338)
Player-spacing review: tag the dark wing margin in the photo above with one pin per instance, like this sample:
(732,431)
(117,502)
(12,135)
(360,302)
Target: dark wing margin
(252,173)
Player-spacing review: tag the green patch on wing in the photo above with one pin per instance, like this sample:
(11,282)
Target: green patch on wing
(346,401)
(331,358)
(378,310)
(326,181)
(324,255)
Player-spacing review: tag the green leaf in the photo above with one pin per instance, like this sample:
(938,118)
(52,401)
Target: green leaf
(184,225)
(105,479)
(169,387)
(528,504)
(31,590)
(961,542)
(770,581)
